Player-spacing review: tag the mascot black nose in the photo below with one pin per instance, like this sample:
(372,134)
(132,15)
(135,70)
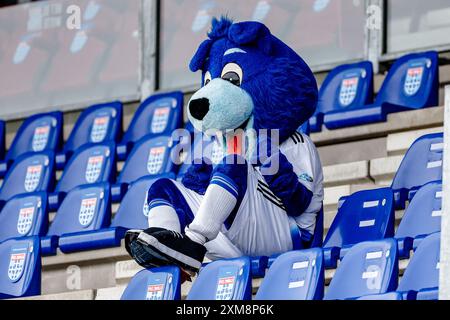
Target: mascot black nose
(199,108)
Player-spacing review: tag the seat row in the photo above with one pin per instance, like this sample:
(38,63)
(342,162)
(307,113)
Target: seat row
(158,115)
(368,272)
(346,97)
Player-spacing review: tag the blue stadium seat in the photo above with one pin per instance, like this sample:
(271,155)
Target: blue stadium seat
(20,268)
(422,217)
(346,87)
(369,268)
(296,275)
(149,157)
(23,216)
(383,297)
(41,132)
(158,115)
(92,163)
(155,284)
(421,164)
(412,83)
(85,209)
(421,277)
(97,124)
(31,172)
(132,213)
(364,216)
(228,279)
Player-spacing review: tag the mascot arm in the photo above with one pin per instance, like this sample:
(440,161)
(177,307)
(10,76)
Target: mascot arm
(285,185)
(197,177)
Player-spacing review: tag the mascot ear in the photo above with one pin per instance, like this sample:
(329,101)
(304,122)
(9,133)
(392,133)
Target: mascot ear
(246,33)
(200,57)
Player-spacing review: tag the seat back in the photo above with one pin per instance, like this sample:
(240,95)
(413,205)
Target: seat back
(90,164)
(412,81)
(155,284)
(368,268)
(149,157)
(31,172)
(133,210)
(223,280)
(423,215)
(158,115)
(85,208)
(421,164)
(41,132)
(20,268)
(347,86)
(364,216)
(423,269)
(24,216)
(296,275)
(96,124)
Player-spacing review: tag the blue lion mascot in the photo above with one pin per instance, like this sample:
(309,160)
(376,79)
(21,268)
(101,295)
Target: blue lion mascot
(252,202)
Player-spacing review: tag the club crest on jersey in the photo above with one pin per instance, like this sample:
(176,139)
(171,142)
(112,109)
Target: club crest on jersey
(349,89)
(413,80)
(17,263)
(87,211)
(40,138)
(217,153)
(99,129)
(155,160)
(94,168)
(160,119)
(32,177)
(25,220)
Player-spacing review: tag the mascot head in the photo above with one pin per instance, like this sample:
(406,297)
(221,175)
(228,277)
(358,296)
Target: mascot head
(251,79)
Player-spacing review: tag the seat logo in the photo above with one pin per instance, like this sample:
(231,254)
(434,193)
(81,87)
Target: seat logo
(87,211)
(17,264)
(25,221)
(94,169)
(413,80)
(155,160)
(146,207)
(40,138)
(155,292)
(349,89)
(160,119)
(32,178)
(99,129)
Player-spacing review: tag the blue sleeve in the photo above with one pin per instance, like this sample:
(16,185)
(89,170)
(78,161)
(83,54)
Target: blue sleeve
(286,186)
(197,177)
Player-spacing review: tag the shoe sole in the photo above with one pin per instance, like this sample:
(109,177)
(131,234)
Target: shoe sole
(156,248)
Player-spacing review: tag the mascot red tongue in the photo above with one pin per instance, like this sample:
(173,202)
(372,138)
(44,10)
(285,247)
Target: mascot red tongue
(251,203)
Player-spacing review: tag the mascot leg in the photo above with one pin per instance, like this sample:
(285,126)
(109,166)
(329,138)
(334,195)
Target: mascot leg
(173,209)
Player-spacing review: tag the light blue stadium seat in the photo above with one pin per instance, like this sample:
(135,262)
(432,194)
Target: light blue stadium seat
(154,284)
(421,277)
(295,275)
(383,297)
(412,83)
(97,124)
(421,164)
(149,157)
(132,213)
(83,211)
(422,218)
(23,216)
(346,87)
(92,163)
(369,268)
(20,268)
(31,172)
(156,116)
(38,133)
(364,216)
(228,279)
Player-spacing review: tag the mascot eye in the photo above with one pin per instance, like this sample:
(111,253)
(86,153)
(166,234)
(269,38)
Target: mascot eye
(207,77)
(233,73)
